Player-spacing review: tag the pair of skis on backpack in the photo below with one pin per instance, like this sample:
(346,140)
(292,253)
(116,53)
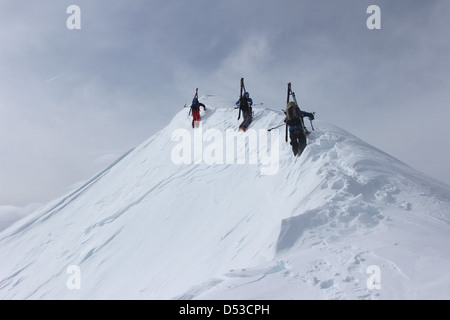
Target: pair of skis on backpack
(195,110)
(245,104)
(294,113)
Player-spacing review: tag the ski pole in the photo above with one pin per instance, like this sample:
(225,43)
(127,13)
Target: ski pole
(275,127)
(310,120)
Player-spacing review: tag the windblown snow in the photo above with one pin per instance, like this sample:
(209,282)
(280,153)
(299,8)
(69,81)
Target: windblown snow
(172,219)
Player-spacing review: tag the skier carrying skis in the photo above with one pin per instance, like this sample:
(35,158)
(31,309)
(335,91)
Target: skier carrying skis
(297,129)
(195,108)
(245,105)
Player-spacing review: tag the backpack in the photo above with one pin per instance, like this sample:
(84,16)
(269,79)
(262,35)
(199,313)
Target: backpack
(195,106)
(243,104)
(292,114)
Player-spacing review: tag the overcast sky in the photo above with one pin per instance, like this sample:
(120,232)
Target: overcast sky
(71,101)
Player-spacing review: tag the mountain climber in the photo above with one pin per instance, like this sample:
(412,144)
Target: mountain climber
(195,108)
(297,129)
(245,105)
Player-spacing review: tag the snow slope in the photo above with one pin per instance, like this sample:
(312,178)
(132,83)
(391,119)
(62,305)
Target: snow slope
(343,221)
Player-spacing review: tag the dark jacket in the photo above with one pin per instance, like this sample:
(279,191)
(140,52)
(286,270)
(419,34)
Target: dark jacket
(296,122)
(245,103)
(196,105)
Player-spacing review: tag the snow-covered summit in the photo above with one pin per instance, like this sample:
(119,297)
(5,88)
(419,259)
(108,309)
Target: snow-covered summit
(175,219)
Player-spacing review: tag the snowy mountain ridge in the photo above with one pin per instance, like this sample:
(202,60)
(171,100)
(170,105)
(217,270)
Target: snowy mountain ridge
(343,221)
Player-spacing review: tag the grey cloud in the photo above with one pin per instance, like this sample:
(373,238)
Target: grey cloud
(65,95)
